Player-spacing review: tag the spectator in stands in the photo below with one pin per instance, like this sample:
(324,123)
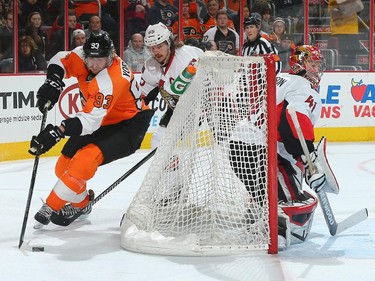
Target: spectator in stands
(136,54)
(190,22)
(266,24)
(344,31)
(162,11)
(30,57)
(222,4)
(210,20)
(285,51)
(58,38)
(135,19)
(196,43)
(226,38)
(78,38)
(58,22)
(232,7)
(210,46)
(35,31)
(256,44)
(3,13)
(198,7)
(151,2)
(278,30)
(237,20)
(6,38)
(27,7)
(85,10)
(95,25)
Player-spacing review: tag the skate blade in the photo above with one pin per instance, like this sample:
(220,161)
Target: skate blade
(38,225)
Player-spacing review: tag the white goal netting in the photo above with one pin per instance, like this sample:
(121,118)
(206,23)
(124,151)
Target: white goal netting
(206,191)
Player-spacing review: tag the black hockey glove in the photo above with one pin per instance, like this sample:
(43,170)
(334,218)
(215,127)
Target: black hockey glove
(45,140)
(49,91)
(171,100)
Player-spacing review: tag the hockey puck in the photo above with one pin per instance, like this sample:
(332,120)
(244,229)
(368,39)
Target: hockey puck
(37,249)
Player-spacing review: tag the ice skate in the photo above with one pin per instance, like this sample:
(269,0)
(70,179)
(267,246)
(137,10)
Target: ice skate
(69,210)
(43,216)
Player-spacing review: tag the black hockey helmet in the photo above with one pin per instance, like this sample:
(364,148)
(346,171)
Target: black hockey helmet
(98,45)
(254,19)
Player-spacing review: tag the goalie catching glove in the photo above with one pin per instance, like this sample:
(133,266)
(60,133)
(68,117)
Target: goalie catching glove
(45,140)
(49,91)
(323,176)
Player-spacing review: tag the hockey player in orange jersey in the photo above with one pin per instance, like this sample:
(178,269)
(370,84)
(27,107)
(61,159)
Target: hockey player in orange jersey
(110,126)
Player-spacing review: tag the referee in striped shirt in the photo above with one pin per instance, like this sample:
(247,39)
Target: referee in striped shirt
(256,44)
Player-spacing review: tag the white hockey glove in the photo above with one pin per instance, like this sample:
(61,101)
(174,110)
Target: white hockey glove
(317,180)
(323,176)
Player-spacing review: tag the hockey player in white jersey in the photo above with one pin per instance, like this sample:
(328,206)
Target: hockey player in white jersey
(168,60)
(297,89)
(167,63)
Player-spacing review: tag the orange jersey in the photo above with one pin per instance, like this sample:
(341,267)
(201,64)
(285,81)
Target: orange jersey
(108,98)
(191,28)
(233,5)
(90,7)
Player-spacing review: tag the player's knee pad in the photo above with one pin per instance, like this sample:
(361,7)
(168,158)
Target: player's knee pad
(300,216)
(85,162)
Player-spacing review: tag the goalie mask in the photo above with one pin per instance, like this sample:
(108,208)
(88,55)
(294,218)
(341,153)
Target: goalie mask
(308,62)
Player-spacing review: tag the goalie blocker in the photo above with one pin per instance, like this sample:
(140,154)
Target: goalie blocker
(323,177)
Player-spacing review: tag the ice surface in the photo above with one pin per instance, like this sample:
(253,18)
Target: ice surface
(90,249)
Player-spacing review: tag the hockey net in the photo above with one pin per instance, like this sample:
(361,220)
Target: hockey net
(211,187)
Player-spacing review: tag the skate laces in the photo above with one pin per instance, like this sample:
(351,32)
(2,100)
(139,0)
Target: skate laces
(69,210)
(45,210)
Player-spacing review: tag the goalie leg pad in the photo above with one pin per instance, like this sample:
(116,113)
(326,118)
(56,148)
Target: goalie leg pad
(283,231)
(300,217)
(331,185)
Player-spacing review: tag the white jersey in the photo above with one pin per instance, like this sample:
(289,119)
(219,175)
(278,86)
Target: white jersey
(297,91)
(293,89)
(155,75)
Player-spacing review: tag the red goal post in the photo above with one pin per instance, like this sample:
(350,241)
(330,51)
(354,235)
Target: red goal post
(211,188)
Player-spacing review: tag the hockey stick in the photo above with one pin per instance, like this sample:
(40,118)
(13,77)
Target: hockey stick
(33,177)
(59,219)
(333,226)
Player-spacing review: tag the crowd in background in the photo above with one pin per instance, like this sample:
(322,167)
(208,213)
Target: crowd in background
(208,24)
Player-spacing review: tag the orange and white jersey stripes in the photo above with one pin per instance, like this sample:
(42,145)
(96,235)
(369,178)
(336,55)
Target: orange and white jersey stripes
(108,98)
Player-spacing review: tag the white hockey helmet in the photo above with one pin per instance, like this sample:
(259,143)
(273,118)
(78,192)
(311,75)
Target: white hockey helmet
(157,34)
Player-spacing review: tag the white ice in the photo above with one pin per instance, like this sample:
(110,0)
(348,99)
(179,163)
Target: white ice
(90,249)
